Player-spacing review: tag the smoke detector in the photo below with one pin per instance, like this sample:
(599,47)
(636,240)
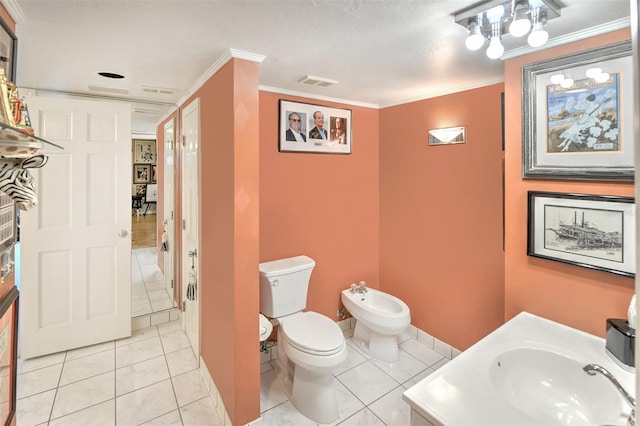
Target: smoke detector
(317,81)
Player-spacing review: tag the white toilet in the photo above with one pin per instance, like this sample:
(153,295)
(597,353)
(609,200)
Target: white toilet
(310,345)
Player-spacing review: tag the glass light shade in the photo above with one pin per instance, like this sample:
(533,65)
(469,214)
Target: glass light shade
(593,72)
(475,39)
(538,36)
(567,82)
(602,77)
(521,23)
(495,49)
(556,78)
(520,27)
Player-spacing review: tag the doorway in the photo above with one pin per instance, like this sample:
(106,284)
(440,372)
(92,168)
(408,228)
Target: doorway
(149,294)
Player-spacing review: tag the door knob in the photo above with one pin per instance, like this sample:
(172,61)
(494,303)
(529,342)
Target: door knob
(123,233)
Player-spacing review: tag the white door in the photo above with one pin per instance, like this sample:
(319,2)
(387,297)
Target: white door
(76,244)
(191,224)
(169,129)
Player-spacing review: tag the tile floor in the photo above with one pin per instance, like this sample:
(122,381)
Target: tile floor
(150,378)
(369,391)
(148,292)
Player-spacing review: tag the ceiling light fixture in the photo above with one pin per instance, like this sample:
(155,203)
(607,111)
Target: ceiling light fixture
(521,17)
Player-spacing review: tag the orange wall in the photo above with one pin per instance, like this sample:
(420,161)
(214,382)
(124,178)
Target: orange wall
(441,214)
(575,296)
(324,206)
(229,236)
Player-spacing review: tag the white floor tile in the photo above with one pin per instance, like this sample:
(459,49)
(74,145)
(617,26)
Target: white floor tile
(285,415)
(87,366)
(402,370)
(145,404)
(37,381)
(138,336)
(201,412)
(35,409)
(169,327)
(83,394)
(139,310)
(422,352)
(103,414)
(169,419)
(364,417)
(418,377)
(141,374)
(348,404)
(367,382)
(189,387)
(354,358)
(181,361)
(174,341)
(138,351)
(26,365)
(391,409)
(272,391)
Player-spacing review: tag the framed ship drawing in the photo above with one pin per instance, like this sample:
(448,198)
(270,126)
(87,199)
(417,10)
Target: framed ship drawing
(591,231)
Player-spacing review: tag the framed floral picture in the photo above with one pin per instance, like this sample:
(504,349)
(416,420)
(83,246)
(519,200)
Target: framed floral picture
(578,116)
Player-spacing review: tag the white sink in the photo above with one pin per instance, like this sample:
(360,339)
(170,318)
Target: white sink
(527,372)
(554,389)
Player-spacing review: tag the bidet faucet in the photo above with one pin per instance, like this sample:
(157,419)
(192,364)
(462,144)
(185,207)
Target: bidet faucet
(592,369)
(361,287)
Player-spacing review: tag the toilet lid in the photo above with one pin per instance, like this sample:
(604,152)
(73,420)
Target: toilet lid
(313,333)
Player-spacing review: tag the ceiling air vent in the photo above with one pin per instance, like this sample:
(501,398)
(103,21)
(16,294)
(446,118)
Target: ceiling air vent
(109,90)
(158,90)
(317,81)
(145,111)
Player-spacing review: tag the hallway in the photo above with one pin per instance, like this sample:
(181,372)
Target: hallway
(150,378)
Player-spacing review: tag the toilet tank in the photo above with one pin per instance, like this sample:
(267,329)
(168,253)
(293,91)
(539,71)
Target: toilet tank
(284,284)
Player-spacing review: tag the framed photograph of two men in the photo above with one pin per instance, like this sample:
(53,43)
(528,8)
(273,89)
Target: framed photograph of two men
(313,128)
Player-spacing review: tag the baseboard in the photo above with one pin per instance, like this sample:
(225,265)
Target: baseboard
(155,318)
(214,394)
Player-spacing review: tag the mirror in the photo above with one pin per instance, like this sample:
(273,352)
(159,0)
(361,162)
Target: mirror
(151,291)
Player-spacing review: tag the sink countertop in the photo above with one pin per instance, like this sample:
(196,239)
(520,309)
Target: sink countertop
(461,392)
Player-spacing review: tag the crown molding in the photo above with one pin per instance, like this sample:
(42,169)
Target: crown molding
(317,97)
(15,11)
(568,38)
(217,65)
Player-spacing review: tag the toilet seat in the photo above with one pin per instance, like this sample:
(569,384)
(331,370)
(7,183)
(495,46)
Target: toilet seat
(313,333)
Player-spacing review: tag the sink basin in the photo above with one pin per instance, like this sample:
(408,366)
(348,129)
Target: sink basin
(553,389)
(526,372)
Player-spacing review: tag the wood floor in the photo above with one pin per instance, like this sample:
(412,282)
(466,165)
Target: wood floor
(143,231)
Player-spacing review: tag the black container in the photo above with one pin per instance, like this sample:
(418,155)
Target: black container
(620,341)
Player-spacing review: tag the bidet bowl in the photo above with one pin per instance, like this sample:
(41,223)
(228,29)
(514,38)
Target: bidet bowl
(379,311)
(553,388)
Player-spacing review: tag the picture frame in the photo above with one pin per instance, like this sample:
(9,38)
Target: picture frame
(583,131)
(154,173)
(447,136)
(591,231)
(298,131)
(141,173)
(8,51)
(144,151)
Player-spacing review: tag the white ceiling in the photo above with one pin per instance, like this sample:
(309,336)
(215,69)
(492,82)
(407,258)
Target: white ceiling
(382,52)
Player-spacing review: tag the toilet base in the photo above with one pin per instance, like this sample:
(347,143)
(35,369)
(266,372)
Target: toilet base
(313,394)
(379,346)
